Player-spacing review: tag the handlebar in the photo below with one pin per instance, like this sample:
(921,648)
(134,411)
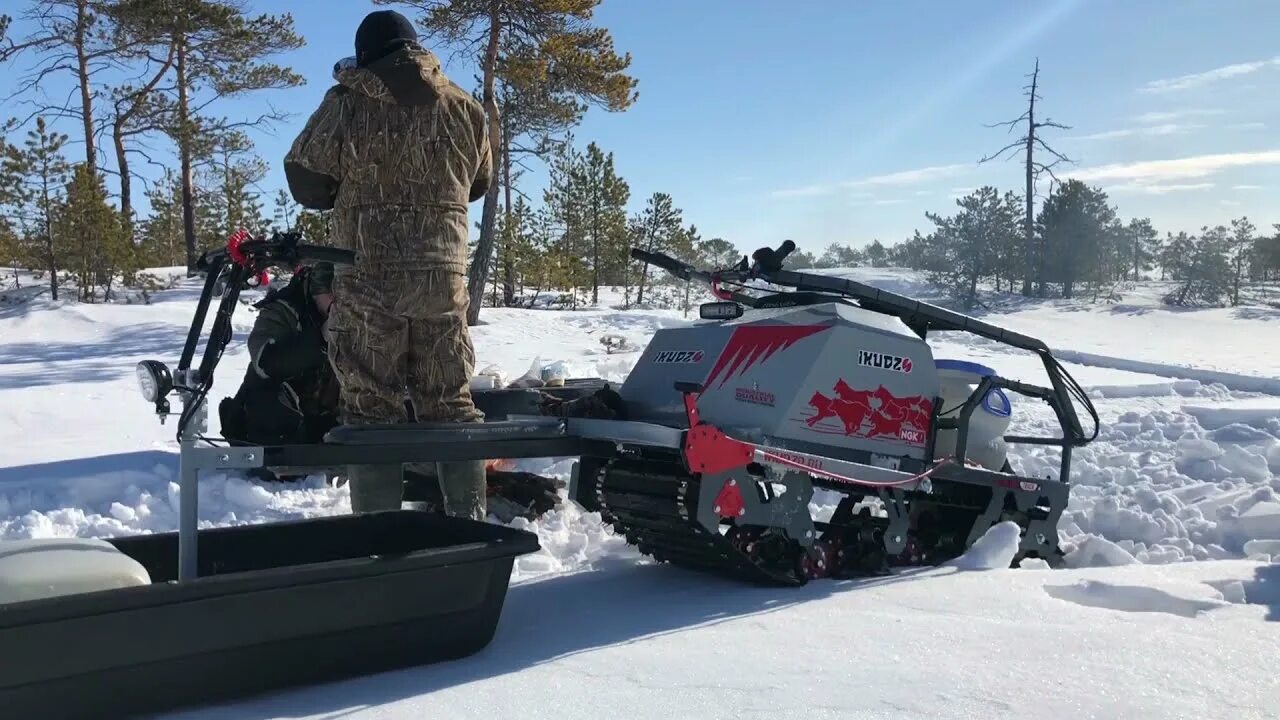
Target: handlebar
(682,270)
(320,253)
(281,249)
(274,252)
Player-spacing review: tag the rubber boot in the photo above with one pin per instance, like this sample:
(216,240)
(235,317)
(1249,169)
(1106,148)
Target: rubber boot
(376,487)
(462,483)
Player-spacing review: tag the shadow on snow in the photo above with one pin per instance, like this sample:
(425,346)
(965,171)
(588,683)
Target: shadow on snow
(599,610)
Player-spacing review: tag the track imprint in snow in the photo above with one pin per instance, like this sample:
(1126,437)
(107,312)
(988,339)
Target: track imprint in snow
(1130,598)
(1263,589)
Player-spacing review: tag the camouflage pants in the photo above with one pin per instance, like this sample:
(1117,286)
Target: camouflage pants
(398,334)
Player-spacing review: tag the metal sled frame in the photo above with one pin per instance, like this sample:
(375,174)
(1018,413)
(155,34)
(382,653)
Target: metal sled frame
(517,437)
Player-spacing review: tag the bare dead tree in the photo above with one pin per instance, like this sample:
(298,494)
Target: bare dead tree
(1028,144)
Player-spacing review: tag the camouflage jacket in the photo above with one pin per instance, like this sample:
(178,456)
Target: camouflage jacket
(293,398)
(398,151)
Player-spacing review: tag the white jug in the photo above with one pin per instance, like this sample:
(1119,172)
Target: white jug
(958,379)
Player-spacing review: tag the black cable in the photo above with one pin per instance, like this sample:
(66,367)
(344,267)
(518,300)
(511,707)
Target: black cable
(1075,390)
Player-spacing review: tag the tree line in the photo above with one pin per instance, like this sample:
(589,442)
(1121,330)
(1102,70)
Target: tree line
(1082,247)
(1075,241)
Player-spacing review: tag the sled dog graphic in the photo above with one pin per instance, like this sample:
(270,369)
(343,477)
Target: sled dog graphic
(873,413)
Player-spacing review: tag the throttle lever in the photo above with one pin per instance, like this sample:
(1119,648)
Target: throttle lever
(770,260)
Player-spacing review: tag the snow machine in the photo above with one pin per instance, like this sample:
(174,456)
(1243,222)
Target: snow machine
(136,625)
(823,383)
(716,443)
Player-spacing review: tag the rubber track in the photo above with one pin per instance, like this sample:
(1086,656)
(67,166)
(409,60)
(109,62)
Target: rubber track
(654,503)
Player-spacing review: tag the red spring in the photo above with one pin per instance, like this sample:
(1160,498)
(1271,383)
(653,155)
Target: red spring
(233,247)
(238,257)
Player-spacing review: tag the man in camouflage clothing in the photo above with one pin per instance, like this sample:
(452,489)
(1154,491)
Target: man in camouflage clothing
(398,151)
(289,394)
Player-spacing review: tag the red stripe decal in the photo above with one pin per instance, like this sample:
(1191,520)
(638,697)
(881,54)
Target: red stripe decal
(757,343)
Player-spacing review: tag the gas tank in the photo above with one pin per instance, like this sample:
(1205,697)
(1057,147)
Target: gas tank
(830,377)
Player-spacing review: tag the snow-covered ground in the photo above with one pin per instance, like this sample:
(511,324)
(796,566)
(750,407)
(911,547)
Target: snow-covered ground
(1180,489)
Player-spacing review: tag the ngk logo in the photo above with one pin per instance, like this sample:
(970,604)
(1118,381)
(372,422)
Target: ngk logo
(884,361)
(678,356)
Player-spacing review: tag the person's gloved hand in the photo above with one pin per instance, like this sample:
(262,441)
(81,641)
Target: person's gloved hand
(303,353)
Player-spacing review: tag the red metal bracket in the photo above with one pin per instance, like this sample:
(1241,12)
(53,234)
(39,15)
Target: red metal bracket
(707,450)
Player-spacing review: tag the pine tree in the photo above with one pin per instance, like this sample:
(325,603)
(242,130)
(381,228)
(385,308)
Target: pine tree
(284,210)
(566,214)
(719,253)
(1266,253)
(1074,223)
(10,250)
(1239,252)
(877,255)
(71,37)
(138,105)
(1211,270)
(161,232)
(314,226)
(799,260)
(967,242)
(554,45)
(1141,242)
(660,227)
(219,52)
(40,172)
(91,232)
(235,172)
(602,198)
(540,267)
(839,256)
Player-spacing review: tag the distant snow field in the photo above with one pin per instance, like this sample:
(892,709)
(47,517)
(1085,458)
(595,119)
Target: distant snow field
(1167,608)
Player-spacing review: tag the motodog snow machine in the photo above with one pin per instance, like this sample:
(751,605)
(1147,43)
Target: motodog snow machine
(726,427)
(828,385)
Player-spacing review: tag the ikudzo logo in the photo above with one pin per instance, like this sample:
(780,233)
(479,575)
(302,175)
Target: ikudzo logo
(678,356)
(884,361)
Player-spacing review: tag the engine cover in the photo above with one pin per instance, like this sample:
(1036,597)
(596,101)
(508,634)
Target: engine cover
(829,375)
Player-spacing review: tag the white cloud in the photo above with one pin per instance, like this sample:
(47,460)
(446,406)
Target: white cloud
(1230,203)
(805,191)
(896,179)
(1185,82)
(889,202)
(1246,187)
(924,193)
(1146,189)
(1152,131)
(1149,118)
(910,177)
(1247,126)
(1156,171)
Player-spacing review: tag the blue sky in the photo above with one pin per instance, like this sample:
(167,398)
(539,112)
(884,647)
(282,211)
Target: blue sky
(838,121)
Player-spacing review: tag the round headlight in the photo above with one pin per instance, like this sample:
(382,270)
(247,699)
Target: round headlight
(154,380)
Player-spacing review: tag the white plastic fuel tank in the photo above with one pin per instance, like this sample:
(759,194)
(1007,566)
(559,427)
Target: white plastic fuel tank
(45,568)
(958,379)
